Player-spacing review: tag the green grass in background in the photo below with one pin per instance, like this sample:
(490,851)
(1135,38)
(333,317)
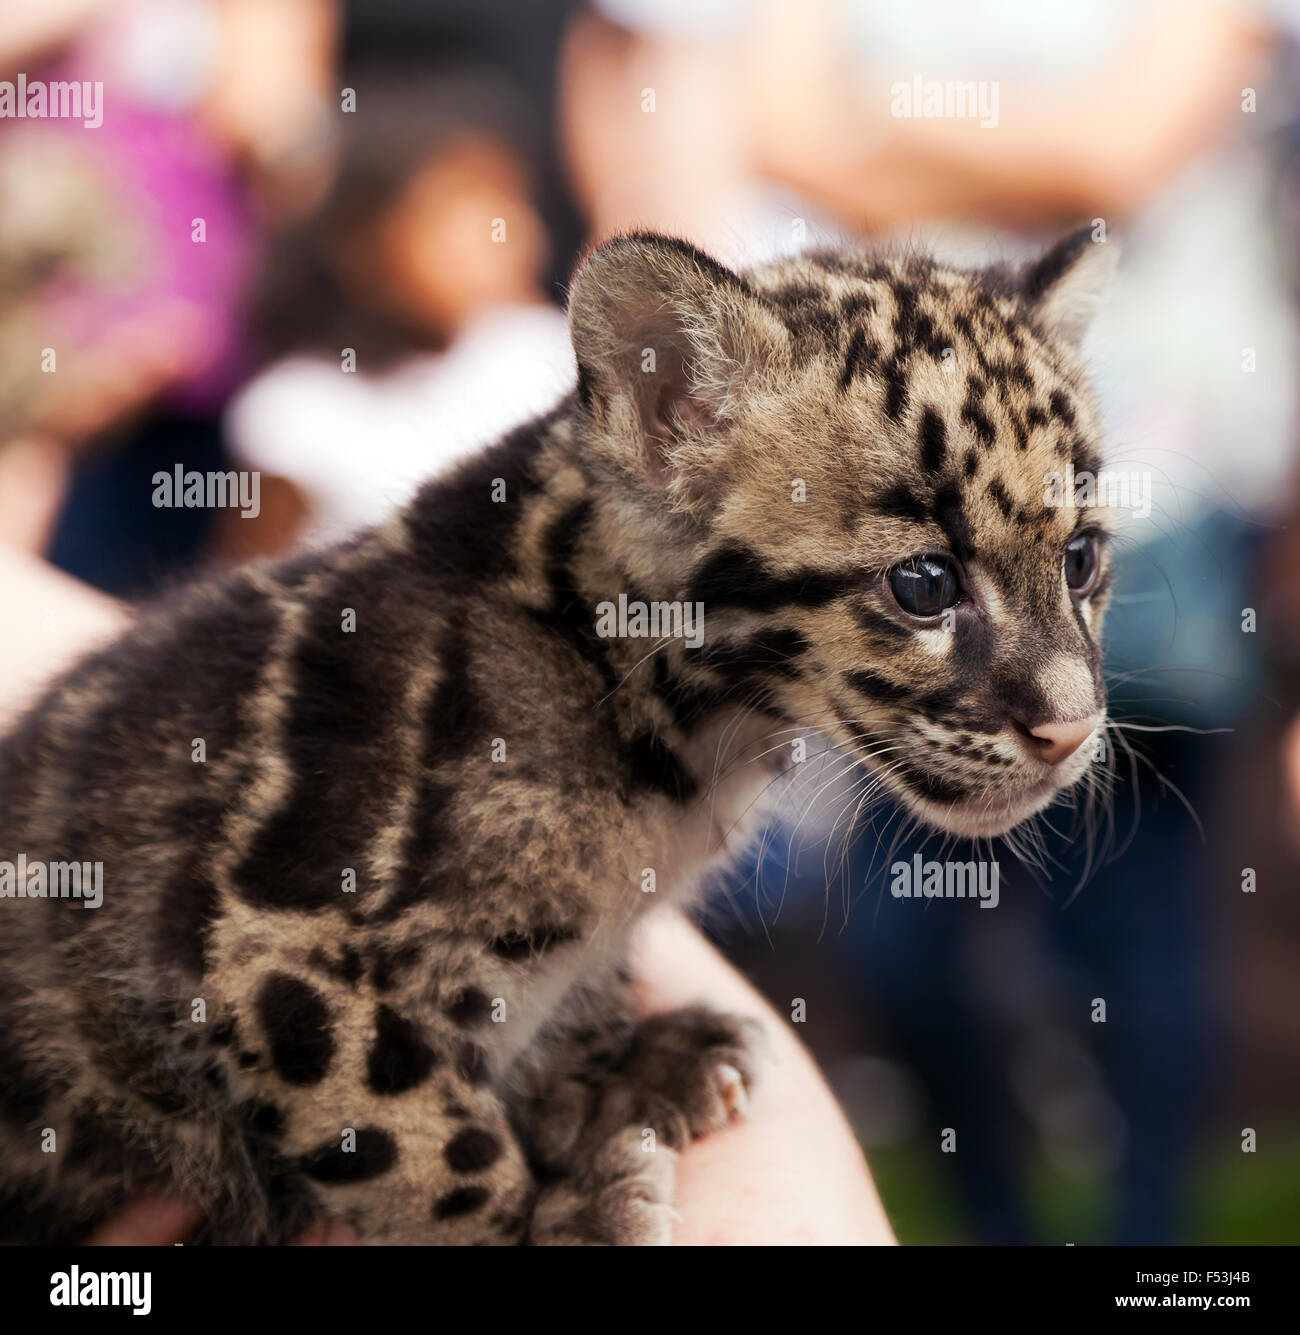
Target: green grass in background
(1233,1197)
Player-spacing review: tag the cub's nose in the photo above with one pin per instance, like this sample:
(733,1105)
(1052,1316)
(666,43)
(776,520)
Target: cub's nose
(1055,742)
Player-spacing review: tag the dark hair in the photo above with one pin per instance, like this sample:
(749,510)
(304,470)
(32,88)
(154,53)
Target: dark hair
(405,115)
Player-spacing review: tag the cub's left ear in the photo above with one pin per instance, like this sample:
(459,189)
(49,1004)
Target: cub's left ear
(1065,286)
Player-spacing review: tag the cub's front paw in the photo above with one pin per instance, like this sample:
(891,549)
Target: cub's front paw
(621,1197)
(687,1073)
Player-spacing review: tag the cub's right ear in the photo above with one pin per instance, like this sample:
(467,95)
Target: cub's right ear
(666,339)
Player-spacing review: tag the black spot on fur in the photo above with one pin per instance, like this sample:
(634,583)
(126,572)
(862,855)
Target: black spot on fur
(462,1201)
(931,786)
(346,701)
(901,503)
(836,261)
(1010,374)
(567,612)
(905,310)
(473,1150)
(469,1007)
(950,515)
(869,619)
(795,294)
(934,441)
(876,687)
(894,373)
(1084,457)
(400,1059)
(929,338)
(517,946)
(977,419)
(859,356)
(735,576)
(653,766)
(388,962)
(807,312)
(770,651)
(585,396)
(856,304)
(1060,407)
(297,1024)
(263,1118)
(375,1153)
(938,704)
(690,702)
(1000,498)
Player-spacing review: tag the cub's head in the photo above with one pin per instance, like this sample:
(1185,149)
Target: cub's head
(864,469)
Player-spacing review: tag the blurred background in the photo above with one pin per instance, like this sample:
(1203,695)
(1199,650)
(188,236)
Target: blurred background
(327,243)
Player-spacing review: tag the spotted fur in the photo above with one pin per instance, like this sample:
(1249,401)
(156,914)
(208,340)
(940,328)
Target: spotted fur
(366,958)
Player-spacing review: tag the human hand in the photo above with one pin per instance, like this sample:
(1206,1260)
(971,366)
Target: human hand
(789,1173)
(161,1221)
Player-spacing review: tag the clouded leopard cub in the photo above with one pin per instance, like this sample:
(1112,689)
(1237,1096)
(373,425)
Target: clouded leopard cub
(360,952)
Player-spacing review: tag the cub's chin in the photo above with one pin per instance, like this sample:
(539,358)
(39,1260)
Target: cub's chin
(992,814)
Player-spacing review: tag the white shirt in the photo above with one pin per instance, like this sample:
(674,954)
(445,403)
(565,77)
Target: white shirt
(358,446)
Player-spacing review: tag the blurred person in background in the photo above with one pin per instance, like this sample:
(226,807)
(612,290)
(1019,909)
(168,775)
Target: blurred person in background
(519,43)
(397,314)
(129,256)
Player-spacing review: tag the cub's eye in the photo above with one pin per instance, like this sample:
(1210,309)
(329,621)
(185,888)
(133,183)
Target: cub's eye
(1081,562)
(925,585)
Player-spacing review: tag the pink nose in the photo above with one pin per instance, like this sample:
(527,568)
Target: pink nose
(1055,742)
